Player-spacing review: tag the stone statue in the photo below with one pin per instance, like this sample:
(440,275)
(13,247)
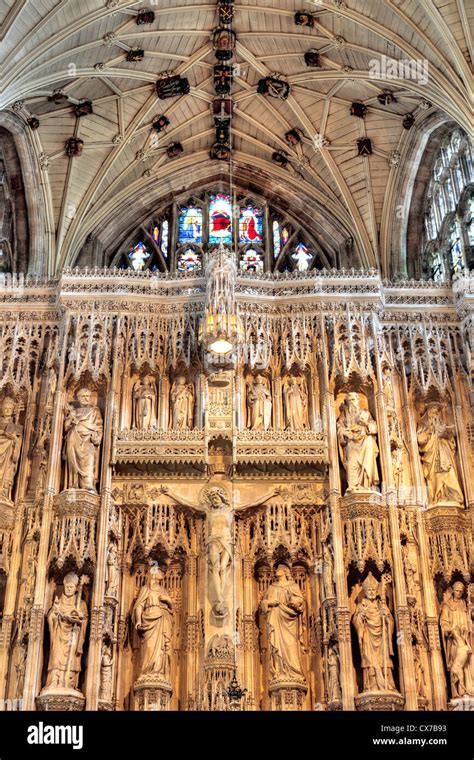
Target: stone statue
(282,608)
(437,446)
(106,666)
(10,446)
(456,630)
(112,573)
(374,625)
(182,404)
(328,572)
(296,403)
(216,504)
(153,615)
(144,403)
(419,672)
(357,434)
(259,405)
(84,431)
(67,620)
(334,686)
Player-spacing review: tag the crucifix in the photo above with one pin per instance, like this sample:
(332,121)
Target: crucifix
(215,504)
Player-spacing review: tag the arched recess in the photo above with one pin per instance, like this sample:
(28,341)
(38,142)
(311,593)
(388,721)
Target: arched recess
(333,231)
(24,187)
(404,211)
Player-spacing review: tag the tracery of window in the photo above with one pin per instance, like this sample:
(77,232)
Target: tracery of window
(184,234)
(447,224)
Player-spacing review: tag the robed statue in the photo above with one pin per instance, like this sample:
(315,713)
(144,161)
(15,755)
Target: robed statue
(182,404)
(144,403)
(295,394)
(357,437)
(153,616)
(84,429)
(437,446)
(457,631)
(67,620)
(10,446)
(259,405)
(374,626)
(282,609)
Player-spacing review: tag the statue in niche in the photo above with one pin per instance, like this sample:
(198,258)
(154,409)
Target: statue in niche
(112,573)
(259,405)
(182,404)
(51,385)
(357,436)
(295,394)
(374,625)
(144,403)
(153,615)
(106,666)
(10,446)
(419,671)
(334,686)
(84,430)
(328,572)
(437,446)
(456,630)
(216,504)
(282,608)
(67,620)
(29,580)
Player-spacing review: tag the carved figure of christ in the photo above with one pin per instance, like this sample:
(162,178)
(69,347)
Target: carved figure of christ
(219,514)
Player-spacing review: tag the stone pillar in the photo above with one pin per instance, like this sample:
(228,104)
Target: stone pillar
(402,615)
(438,677)
(342,607)
(97,609)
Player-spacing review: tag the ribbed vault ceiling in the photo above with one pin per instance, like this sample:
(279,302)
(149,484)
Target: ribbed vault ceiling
(48,45)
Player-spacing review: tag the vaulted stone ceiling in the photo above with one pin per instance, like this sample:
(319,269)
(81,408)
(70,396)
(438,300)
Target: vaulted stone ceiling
(80,47)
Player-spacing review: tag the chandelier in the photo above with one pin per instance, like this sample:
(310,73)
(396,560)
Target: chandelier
(220,331)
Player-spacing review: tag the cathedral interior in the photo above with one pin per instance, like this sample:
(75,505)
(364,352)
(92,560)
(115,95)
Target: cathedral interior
(236,336)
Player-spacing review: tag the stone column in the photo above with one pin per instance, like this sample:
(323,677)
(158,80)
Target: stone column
(34,661)
(438,677)
(97,609)
(342,607)
(402,615)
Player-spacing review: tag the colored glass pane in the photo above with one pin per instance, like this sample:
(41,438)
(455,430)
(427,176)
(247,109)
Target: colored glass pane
(301,257)
(165,238)
(276,239)
(189,261)
(251,225)
(138,257)
(155,233)
(285,234)
(190,225)
(220,218)
(251,261)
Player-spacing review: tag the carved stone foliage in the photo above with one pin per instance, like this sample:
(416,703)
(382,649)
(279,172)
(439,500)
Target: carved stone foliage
(365,530)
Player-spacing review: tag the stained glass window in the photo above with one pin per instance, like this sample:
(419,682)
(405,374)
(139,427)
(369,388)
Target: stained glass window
(190,224)
(155,233)
(138,257)
(276,239)
(189,260)
(285,234)
(251,225)
(220,218)
(470,222)
(456,255)
(301,257)
(165,238)
(251,261)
